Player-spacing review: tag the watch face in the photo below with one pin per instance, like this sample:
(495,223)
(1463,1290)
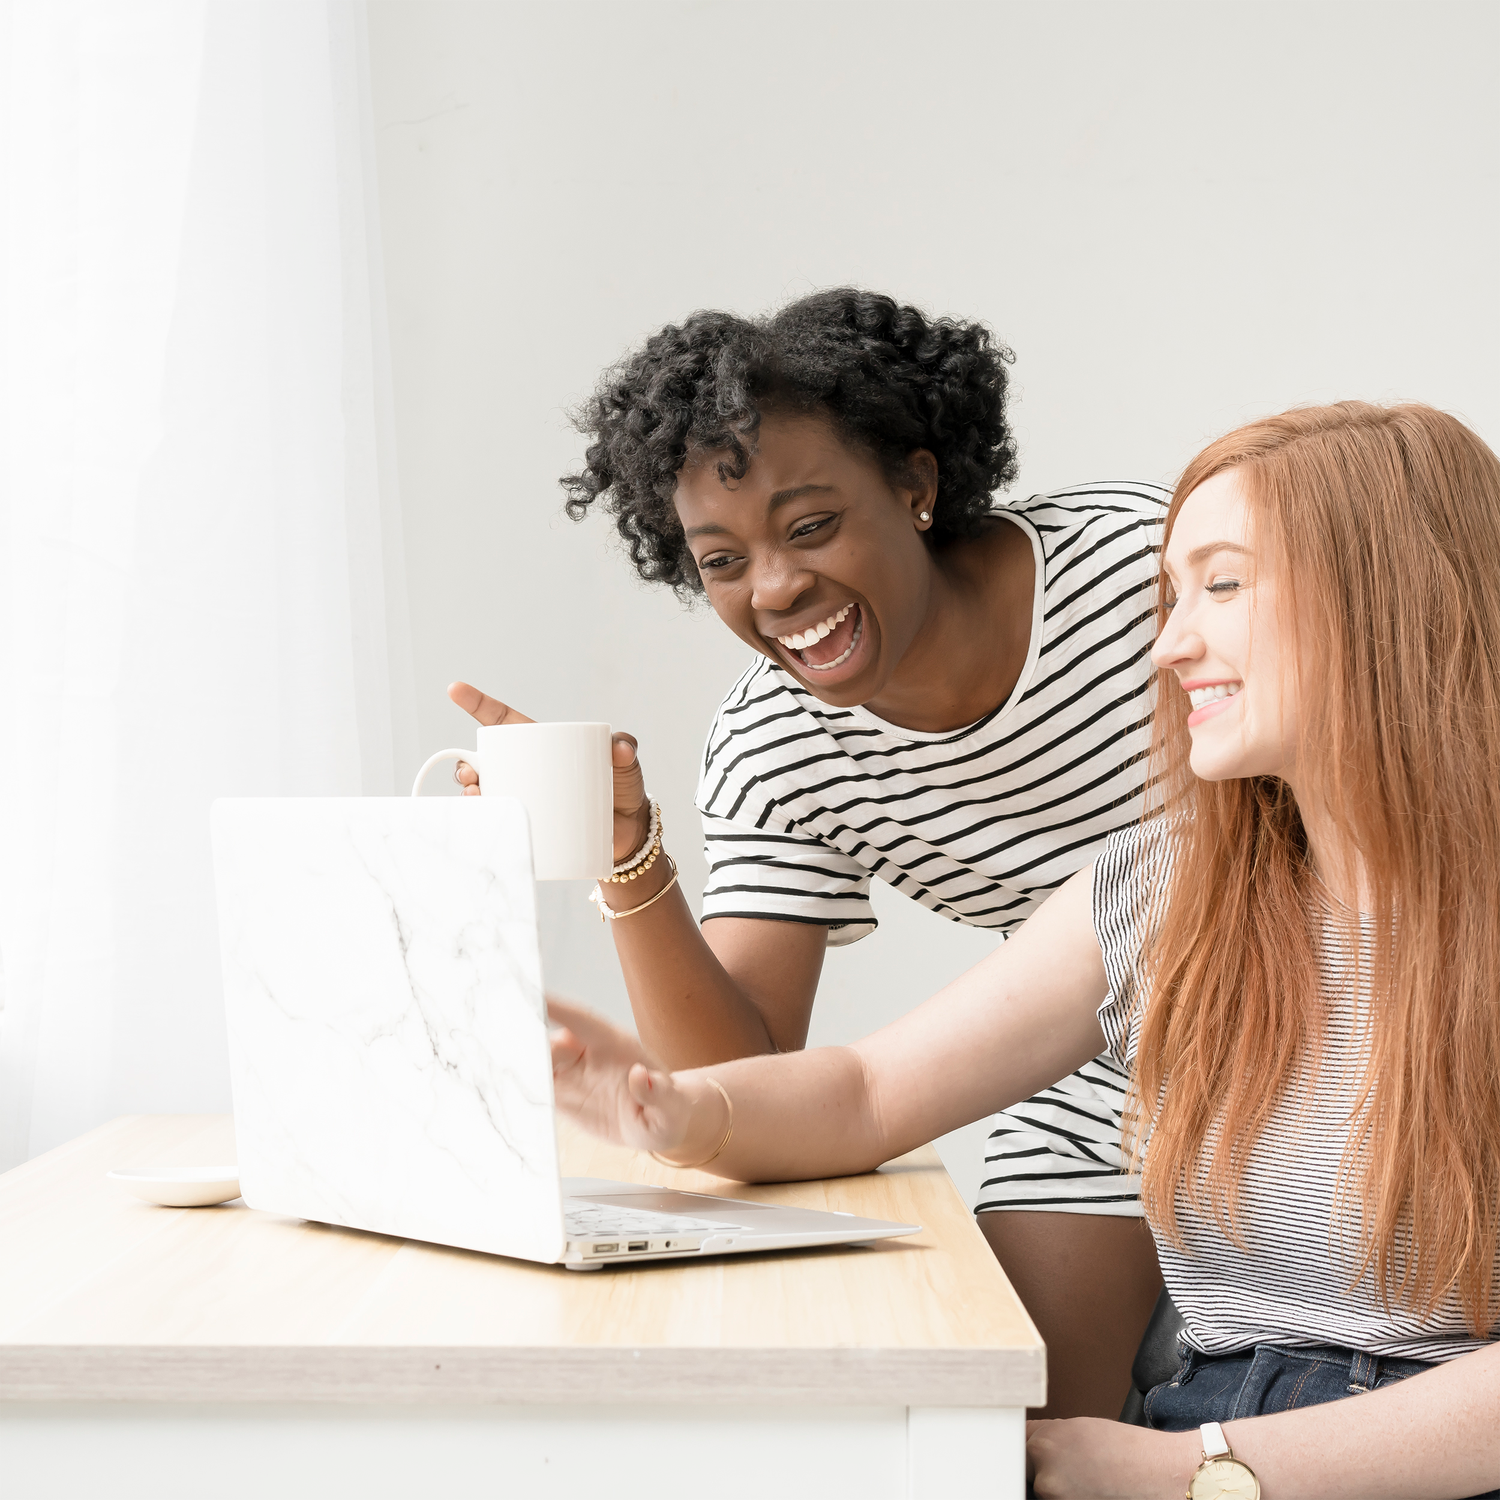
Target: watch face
(1226,1477)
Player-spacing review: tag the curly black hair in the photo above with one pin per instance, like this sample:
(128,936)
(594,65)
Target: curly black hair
(889,378)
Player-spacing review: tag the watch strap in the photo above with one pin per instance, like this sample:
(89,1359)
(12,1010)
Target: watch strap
(1221,1474)
(1215,1444)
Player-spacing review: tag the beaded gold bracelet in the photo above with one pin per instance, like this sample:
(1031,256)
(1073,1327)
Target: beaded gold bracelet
(644,857)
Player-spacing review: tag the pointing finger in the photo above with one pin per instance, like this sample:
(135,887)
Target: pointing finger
(641,1084)
(586,1027)
(566,1050)
(484,708)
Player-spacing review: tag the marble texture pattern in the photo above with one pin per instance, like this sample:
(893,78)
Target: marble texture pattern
(387,1027)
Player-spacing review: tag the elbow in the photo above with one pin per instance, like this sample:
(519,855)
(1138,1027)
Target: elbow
(871,1143)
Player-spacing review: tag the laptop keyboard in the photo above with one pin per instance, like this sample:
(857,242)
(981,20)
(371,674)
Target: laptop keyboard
(589,1220)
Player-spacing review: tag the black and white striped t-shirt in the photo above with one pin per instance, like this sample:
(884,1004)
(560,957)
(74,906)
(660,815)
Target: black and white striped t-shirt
(1292,1281)
(803,803)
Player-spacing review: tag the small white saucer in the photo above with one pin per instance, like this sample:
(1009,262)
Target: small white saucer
(180,1187)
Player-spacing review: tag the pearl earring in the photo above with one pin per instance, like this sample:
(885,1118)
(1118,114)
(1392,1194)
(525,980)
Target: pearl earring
(925,515)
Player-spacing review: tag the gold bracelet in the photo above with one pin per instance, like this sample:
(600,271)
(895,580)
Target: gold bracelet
(688,1166)
(636,871)
(608,914)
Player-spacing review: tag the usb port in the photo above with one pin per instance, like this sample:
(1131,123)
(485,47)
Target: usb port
(607,1249)
(636,1245)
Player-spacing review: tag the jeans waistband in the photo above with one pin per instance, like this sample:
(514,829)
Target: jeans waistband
(1365,1370)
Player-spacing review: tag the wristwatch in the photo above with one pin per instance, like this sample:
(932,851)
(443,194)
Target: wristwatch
(1221,1473)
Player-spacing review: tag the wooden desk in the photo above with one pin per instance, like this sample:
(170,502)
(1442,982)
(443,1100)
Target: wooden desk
(221,1352)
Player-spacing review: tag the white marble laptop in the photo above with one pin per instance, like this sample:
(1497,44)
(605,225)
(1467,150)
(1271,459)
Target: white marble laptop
(388,1041)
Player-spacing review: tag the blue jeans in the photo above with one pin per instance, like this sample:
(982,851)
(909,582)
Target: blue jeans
(1256,1382)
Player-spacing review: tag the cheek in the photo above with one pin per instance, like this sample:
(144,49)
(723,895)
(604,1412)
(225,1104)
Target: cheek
(732,605)
(847,559)
(1274,691)
(1288,714)
(895,583)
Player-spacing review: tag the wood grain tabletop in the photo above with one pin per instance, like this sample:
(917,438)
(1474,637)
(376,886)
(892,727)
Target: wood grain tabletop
(104,1297)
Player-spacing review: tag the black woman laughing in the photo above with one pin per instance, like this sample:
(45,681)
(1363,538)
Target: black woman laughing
(945,692)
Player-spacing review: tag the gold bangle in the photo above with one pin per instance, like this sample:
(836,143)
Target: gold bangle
(608,914)
(688,1166)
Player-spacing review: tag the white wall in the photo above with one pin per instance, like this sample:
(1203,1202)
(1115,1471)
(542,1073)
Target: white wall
(1179,215)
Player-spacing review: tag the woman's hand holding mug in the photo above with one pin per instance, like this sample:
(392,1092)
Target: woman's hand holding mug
(632,807)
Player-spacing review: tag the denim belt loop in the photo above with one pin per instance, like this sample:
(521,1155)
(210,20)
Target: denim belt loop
(1364,1372)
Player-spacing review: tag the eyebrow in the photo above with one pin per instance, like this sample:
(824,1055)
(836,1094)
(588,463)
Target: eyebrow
(780,498)
(785,497)
(1198,554)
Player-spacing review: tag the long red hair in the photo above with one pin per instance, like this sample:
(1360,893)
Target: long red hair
(1386,522)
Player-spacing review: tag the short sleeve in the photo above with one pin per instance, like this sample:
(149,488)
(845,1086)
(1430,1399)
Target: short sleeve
(1132,861)
(761,862)
(777,872)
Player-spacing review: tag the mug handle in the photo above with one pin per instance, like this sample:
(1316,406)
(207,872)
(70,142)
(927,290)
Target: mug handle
(432,760)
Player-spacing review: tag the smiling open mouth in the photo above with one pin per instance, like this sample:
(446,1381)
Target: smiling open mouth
(1202,697)
(829,644)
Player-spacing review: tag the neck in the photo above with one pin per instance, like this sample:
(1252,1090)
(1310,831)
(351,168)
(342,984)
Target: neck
(968,653)
(1335,863)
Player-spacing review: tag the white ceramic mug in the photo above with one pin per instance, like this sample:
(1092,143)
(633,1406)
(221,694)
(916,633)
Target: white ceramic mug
(563,775)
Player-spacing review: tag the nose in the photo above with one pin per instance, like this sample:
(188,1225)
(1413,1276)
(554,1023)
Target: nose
(1177,643)
(779,580)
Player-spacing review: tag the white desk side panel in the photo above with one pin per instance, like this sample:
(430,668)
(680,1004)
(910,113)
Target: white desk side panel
(388,1036)
(104,1451)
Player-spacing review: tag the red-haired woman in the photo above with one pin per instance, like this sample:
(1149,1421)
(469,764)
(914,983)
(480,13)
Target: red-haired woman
(1302,960)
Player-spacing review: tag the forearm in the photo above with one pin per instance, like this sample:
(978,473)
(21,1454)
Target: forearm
(1435,1436)
(797,1115)
(1014,1023)
(688,1010)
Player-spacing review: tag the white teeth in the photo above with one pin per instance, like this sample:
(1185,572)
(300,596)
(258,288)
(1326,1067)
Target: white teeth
(859,630)
(814,632)
(1198,697)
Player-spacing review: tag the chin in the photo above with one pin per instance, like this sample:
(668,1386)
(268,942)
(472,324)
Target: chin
(1217,767)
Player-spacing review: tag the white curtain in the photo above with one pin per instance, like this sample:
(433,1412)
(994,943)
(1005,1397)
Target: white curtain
(200,555)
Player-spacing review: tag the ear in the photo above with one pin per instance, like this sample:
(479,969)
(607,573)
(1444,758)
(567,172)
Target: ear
(921,486)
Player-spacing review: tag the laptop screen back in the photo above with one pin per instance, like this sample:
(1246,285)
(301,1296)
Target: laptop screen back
(387,1027)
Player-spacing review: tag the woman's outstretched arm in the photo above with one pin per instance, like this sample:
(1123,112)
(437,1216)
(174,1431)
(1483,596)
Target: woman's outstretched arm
(1013,1024)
